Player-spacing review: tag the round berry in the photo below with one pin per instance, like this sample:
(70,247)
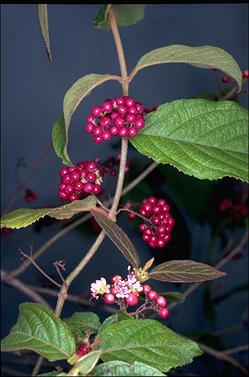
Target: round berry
(106,135)
(73,197)
(68,189)
(82,350)
(123,132)
(129,102)
(75,175)
(139,107)
(63,195)
(90,119)
(139,123)
(97,131)
(88,187)
(62,186)
(67,178)
(164,313)
(96,189)
(225,78)
(105,122)
(142,227)
(161,301)
(132,110)
(245,74)
(63,171)
(98,139)
(130,118)
(119,121)
(146,288)
(132,299)
(107,106)
(78,186)
(152,295)
(89,128)
(120,101)
(90,176)
(132,132)
(109,298)
(122,109)
(114,130)
(96,111)
(91,165)
(145,237)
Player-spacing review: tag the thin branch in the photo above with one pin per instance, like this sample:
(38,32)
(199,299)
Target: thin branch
(60,265)
(229,330)
(238,349)
(8,279)
(222,356)
(81,220)
(32,171)
(29,257)
(37,366)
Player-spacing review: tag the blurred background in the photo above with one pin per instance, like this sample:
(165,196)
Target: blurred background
(207,227)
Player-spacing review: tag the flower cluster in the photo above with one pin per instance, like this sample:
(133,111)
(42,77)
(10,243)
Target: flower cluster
(126,292)
(120,116)
(77,181)
(156,231)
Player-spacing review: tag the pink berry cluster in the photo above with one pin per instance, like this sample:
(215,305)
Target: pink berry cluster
(238,209)
(77,181)
(127,292)
(156,231)
(121,116)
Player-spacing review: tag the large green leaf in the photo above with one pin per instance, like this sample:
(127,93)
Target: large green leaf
(81,322)
(184,271)
(78,91)
(118,237)
(146,341)
(201,56)
(120,368)
(39,330)
(43,22)
(22,217)
(126,14)
(206,139)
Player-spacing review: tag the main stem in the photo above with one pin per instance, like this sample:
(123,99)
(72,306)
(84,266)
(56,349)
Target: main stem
(124,147)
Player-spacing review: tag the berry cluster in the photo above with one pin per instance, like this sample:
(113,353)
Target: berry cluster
(120,116)
(77,181)
(238,209)
(30,196)
(110,166)
(126,292)
(156,231)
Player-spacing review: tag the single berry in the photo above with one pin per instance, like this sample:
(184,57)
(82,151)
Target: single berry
(132,299)
(96,111)
(132,216)
(161,301)
(245,74)
(225,78)
(109,298)
(152,295)
(146,288)
(164,313)
(82,350)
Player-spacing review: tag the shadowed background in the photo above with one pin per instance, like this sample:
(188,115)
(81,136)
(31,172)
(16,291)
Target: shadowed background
(32,98)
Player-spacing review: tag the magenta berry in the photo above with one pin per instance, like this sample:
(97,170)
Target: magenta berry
(146,289)
(164,313)
(152,295)
(121,116)
(30,196)
(131,300)
(109,298)
(82,350)
(82,179)
(161,301)
(225,79)
(245,74)
(63,171)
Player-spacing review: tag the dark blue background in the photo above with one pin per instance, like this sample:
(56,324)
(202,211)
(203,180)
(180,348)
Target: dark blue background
(32,97)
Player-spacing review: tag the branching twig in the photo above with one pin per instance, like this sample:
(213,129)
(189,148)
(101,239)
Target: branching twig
(60,265)
(29,257)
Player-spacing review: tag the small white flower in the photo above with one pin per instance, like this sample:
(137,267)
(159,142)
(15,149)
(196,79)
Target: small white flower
(100,287)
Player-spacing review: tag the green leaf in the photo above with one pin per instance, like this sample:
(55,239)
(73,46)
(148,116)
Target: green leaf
(22,217)
(118,237)
(206,139)
(43,22)
(201,56)
(146,341)
(115,318)
(126,14)
(53,373)
(86,363)
(59,138)
(120,368)
(81,322)
(39,330)
(78,91)
(184,271)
